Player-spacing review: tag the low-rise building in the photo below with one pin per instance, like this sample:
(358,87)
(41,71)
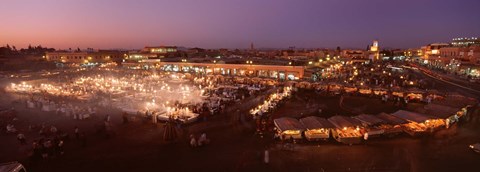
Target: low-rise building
(279,72)
(432,50)
(100,56)
(157,52)
(465,42)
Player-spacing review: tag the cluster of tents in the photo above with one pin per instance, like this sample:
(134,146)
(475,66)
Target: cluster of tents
(353,130)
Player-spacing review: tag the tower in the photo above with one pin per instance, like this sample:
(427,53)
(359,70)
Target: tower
(374,47)
(374,52)
(251,46)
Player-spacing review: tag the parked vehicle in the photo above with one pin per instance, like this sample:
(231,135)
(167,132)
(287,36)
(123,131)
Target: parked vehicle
(12,167)
(475,147)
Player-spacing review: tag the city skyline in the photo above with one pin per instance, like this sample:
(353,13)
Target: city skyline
(216,24)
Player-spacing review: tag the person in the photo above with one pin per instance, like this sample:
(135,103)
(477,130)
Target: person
(46,148)
(21,138)
(203,140)
(36,151)
(125,118)
(292,142)
(365,136)
(53,129)
(11,128)
(193,142)
(77,133)
(108,129)
(107,118)
(42,132)
(83,138)
(266,157)
(60,147)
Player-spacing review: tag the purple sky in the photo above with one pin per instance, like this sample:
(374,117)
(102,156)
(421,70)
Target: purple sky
(236,23)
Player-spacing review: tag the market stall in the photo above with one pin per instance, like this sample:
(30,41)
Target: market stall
(364,90)
(393,125)
(415,94)
(418,123)
(371,124)
(397,91)
(350,88)
(303,84)
(271,102)
(335,88)
(347,130)
(457,101)
(435,94)
(380,91)
(321,86)
(316,128)
(449,114)
(289,127)
(183,115)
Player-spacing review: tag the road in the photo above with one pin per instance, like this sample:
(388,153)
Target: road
(444,84)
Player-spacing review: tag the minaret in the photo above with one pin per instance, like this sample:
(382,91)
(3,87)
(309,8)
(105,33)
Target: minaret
(374,47)
(251,46)
(374,51)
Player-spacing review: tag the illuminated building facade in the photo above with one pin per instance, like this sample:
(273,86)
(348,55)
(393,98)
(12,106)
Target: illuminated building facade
(465,42)
(432,50)
(354,54)
(374,51)
(153,53)
(275,72)
(100,56)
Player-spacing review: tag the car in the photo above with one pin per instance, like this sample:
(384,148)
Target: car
(475,147)
(12,167)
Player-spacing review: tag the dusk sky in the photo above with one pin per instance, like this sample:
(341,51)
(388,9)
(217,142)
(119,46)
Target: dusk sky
(236,23)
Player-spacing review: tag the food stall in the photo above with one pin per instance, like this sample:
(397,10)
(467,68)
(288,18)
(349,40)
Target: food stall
(372,125)
(435,94)
(350,88)
(183,115)
(379,91)
(289,127)
(270,82)
(347,130)
(303,84)
(291,83)
(271,102)
(397,91)
(316,128)
(364,90)
(415,94)
(335,88)
(457,101)
(418,123)
(449,114)
(393,125)
(321,86)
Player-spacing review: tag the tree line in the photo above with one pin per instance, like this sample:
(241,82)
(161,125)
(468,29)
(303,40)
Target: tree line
(8,50)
